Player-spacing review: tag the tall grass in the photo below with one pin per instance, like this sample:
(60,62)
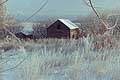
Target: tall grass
(64,59)
(53,59)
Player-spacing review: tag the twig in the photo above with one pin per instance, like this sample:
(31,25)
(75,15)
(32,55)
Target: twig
(18,40)
(16,65)
(101,20)
(12,34)
(44,3)
(87,3)
(3,2)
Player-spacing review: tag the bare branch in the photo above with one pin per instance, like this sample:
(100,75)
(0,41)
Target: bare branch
(3,2)
(17,64)
(43,4)
(101,20)
(18,40)
(4,26)
(88,4)
(6,57)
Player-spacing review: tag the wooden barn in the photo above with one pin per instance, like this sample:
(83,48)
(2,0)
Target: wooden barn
(63,28)
(26,32)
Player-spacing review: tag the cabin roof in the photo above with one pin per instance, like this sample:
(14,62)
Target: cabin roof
(27,28)
(68,23)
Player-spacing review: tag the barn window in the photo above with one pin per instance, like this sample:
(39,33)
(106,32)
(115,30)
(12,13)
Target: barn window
(58,26)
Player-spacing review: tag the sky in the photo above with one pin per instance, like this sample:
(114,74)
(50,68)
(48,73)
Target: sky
(58,7)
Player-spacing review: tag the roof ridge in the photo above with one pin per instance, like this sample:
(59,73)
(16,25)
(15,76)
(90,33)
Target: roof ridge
(69,23)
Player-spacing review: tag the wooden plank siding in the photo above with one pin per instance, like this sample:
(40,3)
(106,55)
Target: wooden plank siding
(58,30)
(61,30)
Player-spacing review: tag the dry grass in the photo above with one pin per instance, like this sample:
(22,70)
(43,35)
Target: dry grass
(64,59)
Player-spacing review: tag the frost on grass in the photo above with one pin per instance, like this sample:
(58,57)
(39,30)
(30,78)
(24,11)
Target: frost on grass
(63,60)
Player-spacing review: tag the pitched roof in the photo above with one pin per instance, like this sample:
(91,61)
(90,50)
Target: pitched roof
(68,23)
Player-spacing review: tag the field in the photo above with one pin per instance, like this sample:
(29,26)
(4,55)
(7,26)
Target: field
(27,52)
(96,57)
(54,59)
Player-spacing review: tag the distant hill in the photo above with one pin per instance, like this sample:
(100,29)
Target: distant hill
(44,18)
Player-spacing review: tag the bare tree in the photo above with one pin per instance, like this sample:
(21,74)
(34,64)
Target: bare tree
(106,24)
(107,37)
(21,45)
(39,31)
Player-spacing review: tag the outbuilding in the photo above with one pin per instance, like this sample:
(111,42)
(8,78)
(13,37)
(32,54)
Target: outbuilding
(26,32)
(63,28)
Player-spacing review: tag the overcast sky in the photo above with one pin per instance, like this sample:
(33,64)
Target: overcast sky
(58,7)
